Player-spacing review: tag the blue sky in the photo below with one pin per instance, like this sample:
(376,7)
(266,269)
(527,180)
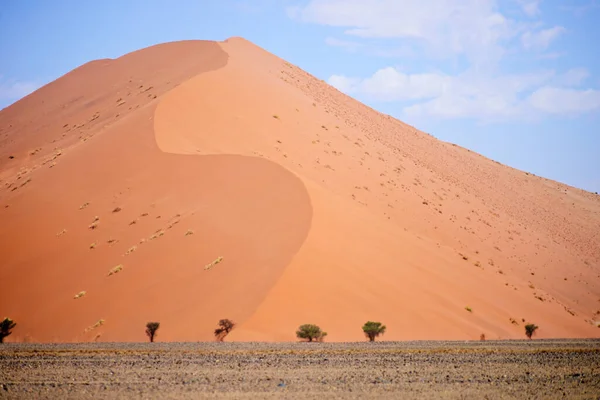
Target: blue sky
(515,80)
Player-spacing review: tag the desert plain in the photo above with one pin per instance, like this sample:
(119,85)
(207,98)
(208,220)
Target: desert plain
(516,369)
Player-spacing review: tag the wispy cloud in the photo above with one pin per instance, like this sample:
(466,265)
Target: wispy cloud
(564,101)
(346,44)
(472,28)
(436,30)
(469,95)
(530,7)
(541,39)
(580,9)
(13,90)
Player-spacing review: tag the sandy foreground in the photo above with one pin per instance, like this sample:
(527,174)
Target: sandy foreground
(544,369)
(123,183)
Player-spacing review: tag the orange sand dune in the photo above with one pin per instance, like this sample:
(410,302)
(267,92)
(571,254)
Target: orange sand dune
(320,210)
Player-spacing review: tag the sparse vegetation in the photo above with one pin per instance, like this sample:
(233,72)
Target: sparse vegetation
(6,327)
(80,294)
(212,264)
(482,337)
(116,209)
(276,116)
(189,232)
(469,309)
(157,234)
(311,333)
(93,245)
(151,328)
(225,326)
(98,324)
(116,269)
(530,330)
(373,329)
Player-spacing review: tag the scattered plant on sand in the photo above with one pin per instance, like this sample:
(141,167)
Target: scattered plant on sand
(373,329)
(469,309)
(151,328)
(212,264)
(530,330)
(225,326)
(311,333)
(482,337)
(80,294)
(98,324)
(6,326)
(115,270)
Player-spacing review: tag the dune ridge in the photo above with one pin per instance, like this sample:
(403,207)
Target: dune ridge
(322,209)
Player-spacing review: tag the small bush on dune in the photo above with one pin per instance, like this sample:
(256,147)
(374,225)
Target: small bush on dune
(225,326)
(373,329)
(151,328)
(5,328)
(311,333)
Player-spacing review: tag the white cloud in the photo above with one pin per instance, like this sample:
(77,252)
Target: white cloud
(531,8)
(471,95)
(541,39)
(343,83)
(348,45)
(574,77)
(553,100)
(447,27)
(389,84)
(11,90)
(475,32)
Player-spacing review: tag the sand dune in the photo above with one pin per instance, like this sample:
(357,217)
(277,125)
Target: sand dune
(319,209)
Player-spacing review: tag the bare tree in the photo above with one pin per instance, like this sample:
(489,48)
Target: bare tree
(225,326)
(5,328)
(151,328)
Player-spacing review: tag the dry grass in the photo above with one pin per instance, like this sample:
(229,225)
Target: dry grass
(115,270)
(80,294)
(212,264)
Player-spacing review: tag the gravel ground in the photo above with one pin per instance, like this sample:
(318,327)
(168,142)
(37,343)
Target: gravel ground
(542,369)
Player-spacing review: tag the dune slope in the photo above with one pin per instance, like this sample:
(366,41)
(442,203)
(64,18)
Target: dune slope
(317,208)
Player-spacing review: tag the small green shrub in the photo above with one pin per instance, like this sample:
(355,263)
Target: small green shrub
(311,333)
(373,329)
